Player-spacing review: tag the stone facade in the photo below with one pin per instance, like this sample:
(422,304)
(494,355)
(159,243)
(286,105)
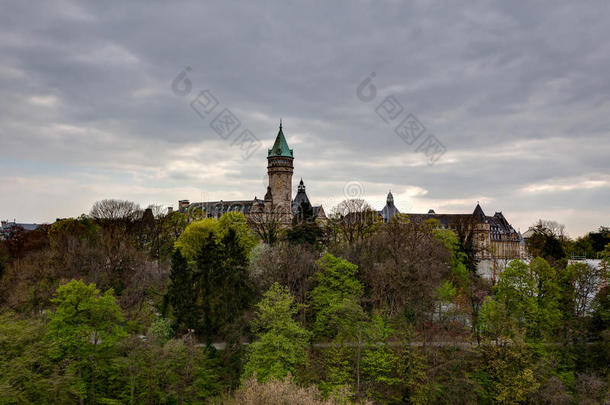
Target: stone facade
(495,237)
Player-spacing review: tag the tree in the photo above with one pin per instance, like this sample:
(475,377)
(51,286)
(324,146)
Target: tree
(600,239)
(547,292)
(23,361)
(305,233)
(172,226)
(280,345)
(474,287)
(359,353)
(83,331)
(181,293)
(337,287)
(352,220)
(171,373)
(237,222)
(115,210)
(506,374)
(600,317)
(526,302)
(291,265)
(191,376)
(267,222)
(547,241)
(121,262)
(580,282)
(402,265)
(195,235)
(274,392)
(222,282)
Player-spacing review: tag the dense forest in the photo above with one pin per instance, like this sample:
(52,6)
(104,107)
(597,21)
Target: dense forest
(124,305)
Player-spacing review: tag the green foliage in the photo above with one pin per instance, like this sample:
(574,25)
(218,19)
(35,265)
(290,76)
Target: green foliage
(170,373)
(197,232)
(446,291)
(379,362)
(544,243)
(552,339)
(222,284)
(83,332)
(305,233)
(24,367)
(337,290)
(281,342)
(195,235)
(412,371)
(600,319)
(506,374)
(237,222)
(61,231)
(359,355)
(167,230)
(548,314)
(181,294)
(161,330)
(592,244)
(526,302)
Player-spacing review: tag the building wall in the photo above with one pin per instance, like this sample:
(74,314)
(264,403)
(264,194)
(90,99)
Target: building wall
(280,171)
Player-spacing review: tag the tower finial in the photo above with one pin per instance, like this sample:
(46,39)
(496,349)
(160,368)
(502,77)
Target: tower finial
(280,123)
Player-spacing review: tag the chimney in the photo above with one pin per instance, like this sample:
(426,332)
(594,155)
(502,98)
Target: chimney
(170,210)
(183,204)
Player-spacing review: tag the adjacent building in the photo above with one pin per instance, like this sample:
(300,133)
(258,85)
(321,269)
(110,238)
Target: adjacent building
(495,236)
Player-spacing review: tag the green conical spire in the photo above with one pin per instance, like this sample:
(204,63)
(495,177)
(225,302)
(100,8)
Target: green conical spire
(280,146)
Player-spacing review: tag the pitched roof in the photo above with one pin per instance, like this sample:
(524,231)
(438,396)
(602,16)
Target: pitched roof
(478,212)
(222,207)
(390,209)
(280,146)
(300,198)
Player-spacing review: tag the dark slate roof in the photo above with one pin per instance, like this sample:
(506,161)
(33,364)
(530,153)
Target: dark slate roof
(497,223)
(222,207)
(478,213)
(26,227)
(446,220)
(318,211)
(300,198)
(280,146)
(390,209)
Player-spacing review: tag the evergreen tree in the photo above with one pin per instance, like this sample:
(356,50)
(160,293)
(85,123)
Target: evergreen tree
(207,283)
(180,292)
(238,290)
(223,285)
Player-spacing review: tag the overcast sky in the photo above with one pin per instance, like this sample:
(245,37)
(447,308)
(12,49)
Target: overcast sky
(517,93)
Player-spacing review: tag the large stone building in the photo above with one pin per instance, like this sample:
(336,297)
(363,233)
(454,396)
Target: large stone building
(278,201)
(495,236)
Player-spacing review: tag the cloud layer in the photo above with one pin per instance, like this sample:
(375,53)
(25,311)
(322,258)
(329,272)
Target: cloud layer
(517,93)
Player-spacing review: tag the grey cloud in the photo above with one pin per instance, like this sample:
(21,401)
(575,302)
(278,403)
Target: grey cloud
(486,78)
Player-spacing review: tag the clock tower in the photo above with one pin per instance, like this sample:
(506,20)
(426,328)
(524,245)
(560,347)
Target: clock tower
(279,169)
